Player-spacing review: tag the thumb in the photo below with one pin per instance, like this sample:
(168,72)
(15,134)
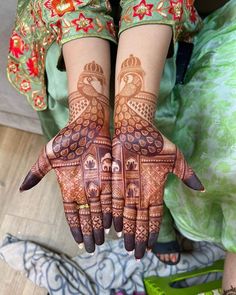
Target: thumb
(184,172)
(37,172)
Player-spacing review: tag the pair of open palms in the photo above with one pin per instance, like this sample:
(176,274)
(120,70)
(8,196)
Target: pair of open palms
(121,179)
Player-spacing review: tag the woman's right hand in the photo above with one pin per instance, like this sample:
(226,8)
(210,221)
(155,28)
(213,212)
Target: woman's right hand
(80,154)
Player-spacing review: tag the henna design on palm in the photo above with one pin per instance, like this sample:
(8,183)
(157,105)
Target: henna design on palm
(80,154)
(142,159)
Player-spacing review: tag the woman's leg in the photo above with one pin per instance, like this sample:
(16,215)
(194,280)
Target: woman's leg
(229,278)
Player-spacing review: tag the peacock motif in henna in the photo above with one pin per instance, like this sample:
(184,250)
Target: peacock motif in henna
(142,159)
(80,154)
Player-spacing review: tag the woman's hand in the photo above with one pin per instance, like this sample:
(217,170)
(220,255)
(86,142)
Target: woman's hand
(80,154)
(142,159)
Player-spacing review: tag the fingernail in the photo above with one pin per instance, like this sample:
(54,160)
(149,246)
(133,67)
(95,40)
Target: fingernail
(138,260)
(81,245)
(194,183)
(203,191)
(119,234)
(130,252)
(173,258)
(91,254)
(107,230)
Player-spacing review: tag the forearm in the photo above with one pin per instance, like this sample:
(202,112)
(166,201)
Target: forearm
(87,63)
(150,43)
(79,52)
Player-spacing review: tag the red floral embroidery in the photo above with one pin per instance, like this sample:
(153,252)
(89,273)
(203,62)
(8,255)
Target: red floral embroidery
(17,45)
(193,14)
(79,2)
(25,85)
(37,17)
(13,67)
(190,2)
(142,9)
(111,28)
(83,23)
(32,65)
(59,7)
(57,27)
(39,101)
(176,9)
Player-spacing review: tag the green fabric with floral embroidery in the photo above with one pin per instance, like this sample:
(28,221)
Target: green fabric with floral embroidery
(206,132)
(38,25)
(41,23)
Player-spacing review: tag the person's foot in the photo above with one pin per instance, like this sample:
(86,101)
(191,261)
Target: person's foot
(168,253)
(170,257)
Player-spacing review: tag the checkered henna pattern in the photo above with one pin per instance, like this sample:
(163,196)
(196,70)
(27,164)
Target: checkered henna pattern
(142,159)
(80,154)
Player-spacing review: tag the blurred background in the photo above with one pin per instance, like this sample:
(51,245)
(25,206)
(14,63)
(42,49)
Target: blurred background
(14,109)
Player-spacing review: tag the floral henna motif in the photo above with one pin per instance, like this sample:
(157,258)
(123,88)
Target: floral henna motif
(80,154)
(142,159)
(231,291)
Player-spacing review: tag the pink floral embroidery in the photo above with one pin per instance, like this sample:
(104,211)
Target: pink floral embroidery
(176,9)
(142,9)
(59,7)
(83,23)
(25,85)
(17,45)
(13,67)
(39,101)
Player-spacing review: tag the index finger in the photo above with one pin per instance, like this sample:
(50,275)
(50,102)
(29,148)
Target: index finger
(118,201)
(72,216)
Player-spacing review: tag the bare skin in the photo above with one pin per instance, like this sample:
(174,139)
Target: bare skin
(229,276)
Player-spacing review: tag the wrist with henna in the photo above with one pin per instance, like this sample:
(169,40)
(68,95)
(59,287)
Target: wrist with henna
(231,291)
(80,154)
(142,159)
